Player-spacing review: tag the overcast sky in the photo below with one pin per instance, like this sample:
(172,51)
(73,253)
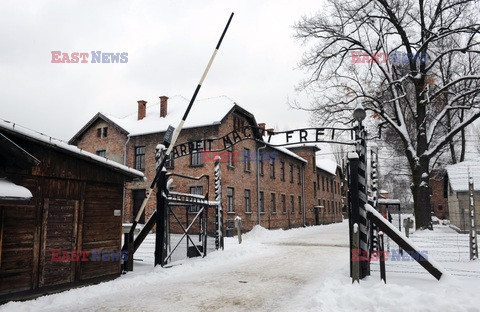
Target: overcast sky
(168,43)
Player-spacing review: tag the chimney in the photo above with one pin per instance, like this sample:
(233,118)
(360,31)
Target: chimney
(262,128)
(163,105)
(270,130)
(142,109)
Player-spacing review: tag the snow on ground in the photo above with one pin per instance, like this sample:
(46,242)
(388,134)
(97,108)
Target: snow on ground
(296,270)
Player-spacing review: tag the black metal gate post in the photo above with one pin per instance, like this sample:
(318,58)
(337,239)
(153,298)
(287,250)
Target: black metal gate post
(353,216)
(381,257)
(161,219)
(361,149)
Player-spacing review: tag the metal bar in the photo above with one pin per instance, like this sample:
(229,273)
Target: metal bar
(177,131)
(144,232)
(381,223)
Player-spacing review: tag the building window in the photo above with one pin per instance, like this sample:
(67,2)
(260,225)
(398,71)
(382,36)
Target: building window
(248,207)
(230,162)
(323,183)
(273,204)
(101,153)
(272,168)
(318,181)
(196,190)
(230,203)
(169,163)
(102,132)
(299,175)
(331,185)
(284,204)
(292,204)
(261,200)
(300,204)
(282,170)
(196,158)
(246,159)
(261,165)
(314,189)
(238,123)
(327,185)
(291,173)
(140,158)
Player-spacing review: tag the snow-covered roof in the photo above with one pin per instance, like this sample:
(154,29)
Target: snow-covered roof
(288,152)
(327,165)
(458,175)
(11,191)
(204,112)
(40,137)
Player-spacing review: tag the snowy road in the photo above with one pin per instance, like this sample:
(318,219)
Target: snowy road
(264,273)
(297,270)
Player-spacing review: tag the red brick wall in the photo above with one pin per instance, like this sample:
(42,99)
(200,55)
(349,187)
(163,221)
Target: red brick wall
(113,144)
(438,201)
(235,177)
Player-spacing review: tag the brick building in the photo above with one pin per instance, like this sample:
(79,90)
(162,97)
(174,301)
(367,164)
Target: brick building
(283,183)
(439,197)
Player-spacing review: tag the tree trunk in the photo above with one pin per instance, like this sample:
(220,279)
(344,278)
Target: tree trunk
(421,195)
(462,152)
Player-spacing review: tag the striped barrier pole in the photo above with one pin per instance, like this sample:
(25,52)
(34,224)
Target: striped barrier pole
(219,210)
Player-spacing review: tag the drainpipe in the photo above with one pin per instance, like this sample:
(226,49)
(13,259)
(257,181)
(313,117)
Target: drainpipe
(334,202)
(124,183)
(258,182)
(303,195)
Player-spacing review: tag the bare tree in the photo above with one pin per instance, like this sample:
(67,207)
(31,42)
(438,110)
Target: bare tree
(388,55)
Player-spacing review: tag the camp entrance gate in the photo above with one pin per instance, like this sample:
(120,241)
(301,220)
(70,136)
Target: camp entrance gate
(167,201)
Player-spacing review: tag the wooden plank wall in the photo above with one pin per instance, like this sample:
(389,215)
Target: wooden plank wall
(101,229)
(19,268)
(97,192)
